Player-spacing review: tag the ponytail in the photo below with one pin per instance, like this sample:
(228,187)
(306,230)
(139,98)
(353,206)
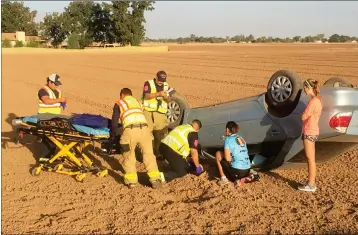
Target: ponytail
(314,84)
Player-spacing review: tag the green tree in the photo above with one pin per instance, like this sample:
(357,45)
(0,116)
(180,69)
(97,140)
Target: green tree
(53,29)
(250,38)
(101,26)
(319,37)
(137,20)
(32,43)
(296,38)
(277,39)
(19,44)
(122,21)
(73,42)
(6,43)
(77,19)
(334,38)
(16,17)
(308,39)
(238,38)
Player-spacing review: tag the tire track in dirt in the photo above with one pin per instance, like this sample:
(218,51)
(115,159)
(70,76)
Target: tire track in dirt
(285,56)
(71,95)
(253,60)
(106,108)
(259,78)
(275,62)
(173,75)
(303,71)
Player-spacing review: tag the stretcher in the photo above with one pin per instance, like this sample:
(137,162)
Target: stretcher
(69,140)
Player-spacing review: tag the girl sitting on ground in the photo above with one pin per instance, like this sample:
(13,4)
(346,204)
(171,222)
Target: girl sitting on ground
(234,162)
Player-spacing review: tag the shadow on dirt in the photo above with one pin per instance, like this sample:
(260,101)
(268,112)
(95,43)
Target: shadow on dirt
(277,176)
(116,161)
(28,141)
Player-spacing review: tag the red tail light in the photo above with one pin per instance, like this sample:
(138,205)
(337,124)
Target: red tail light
(340,121)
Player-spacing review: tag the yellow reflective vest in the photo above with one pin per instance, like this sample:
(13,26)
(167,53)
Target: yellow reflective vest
(177,139)
(131,111)
(155,104)
(50,108)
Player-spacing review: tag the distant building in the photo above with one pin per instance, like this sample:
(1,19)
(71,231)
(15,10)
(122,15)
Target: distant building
(20,36)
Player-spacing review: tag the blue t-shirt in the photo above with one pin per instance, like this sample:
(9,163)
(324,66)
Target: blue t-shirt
(238,149)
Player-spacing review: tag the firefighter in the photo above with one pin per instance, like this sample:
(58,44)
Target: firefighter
(50,101)
(180,149)
(135,131)
(155,101)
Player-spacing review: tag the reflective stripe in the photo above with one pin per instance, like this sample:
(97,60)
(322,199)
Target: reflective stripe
(171,139)
(53,110)
(49,105)
(152,104)
(131,111)
(154,174)
(50,108)
(177,139)
(130,178)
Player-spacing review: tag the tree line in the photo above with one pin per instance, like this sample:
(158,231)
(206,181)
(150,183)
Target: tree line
(81,22)
(85,22)
(335,38)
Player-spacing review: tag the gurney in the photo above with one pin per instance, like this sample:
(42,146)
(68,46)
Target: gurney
(70,140)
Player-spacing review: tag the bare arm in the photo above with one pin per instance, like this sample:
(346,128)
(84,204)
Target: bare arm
(304,117)
(227,155)
(195,156)
(309,110)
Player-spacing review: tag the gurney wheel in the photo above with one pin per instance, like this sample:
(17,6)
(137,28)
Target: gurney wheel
(102,174)
(80,177)
(58,167)
(36,171)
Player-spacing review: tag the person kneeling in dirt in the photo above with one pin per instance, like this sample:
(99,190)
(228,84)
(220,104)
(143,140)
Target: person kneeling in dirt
(234,162)
(180,149)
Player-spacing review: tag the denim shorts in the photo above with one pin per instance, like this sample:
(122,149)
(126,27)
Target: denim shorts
(312,138)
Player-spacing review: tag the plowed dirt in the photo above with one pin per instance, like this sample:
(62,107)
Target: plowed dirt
(54,203)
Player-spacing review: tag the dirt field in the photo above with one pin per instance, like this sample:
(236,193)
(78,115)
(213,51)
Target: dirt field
(53,203)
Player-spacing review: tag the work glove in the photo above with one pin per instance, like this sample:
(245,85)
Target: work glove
(199,170)
(63,105)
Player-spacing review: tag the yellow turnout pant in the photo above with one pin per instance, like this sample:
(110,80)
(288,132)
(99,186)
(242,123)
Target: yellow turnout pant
(128,143)
(158,126)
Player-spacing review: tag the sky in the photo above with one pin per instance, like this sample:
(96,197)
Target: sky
(173,19)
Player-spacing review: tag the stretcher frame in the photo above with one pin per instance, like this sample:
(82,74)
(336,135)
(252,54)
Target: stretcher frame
(69,142)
